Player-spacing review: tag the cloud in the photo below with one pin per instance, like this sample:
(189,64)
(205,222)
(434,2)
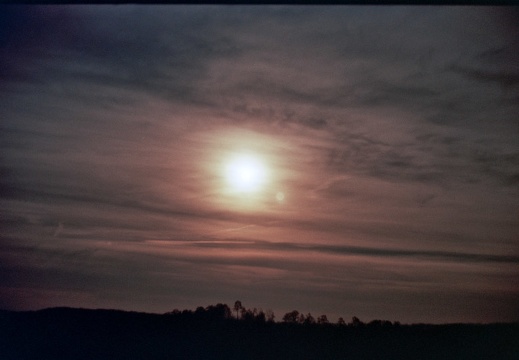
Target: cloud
(391,131)
(504,79)
(350,250)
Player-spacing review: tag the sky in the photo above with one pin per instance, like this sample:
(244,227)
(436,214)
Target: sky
(339,160)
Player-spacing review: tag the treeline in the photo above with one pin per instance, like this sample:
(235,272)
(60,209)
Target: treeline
(237,333)
(240,312)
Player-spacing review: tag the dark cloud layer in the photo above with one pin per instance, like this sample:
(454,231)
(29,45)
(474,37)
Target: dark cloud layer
(391,133)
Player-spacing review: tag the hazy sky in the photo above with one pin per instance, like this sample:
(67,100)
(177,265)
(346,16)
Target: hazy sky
(386,139)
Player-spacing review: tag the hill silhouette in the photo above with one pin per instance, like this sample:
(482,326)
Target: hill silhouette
(214,333)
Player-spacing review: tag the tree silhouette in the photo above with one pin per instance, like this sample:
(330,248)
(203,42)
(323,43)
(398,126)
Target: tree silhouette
(237,307)
(309,319)
(199,310)
(291,317)
(270,315)
(355,321)
(247,314)
(204,333)
(341,321)
(174,312)
(323,319)
(301,318)
(218,312)
(261,317)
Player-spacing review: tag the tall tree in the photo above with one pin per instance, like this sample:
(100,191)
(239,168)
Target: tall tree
(237,307)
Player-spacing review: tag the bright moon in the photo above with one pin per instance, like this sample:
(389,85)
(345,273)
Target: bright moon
(245,173)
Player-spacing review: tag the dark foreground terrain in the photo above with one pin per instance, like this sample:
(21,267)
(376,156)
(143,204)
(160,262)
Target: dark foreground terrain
(65,333)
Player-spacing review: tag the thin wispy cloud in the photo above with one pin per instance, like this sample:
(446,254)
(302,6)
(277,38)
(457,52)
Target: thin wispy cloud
(388,137)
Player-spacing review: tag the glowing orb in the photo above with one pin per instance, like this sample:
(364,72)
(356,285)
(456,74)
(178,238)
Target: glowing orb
(245,173)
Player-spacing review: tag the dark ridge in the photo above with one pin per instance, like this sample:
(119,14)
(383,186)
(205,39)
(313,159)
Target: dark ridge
(217,332)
